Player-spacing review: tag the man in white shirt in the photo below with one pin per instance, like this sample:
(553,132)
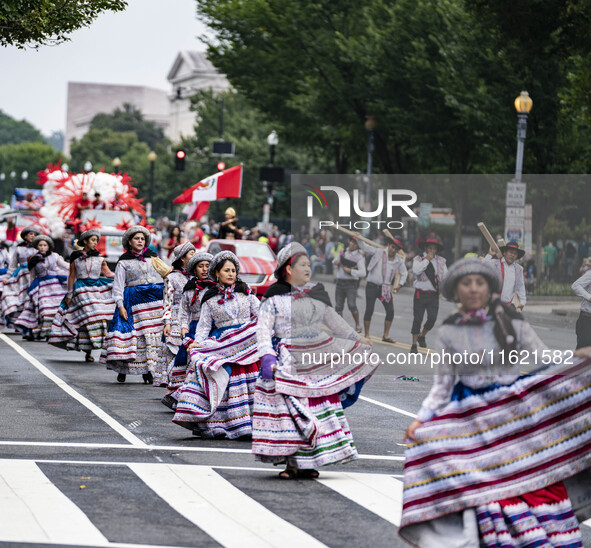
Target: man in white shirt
(511,274)
(429,270)
(351,268)
(582,287)
(382,269)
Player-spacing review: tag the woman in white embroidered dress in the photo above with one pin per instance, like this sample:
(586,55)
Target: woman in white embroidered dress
(173,291)
(298,417)
(84,314)
(495,453)
(217,396)
(133,340)
(18,279)
(48,287)
(189,312)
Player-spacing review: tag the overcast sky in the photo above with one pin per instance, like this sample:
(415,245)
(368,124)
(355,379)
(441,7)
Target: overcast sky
(137,46)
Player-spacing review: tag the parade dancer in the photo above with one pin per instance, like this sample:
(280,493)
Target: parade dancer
(217,396)
(492,448)
(84,314)
(49,274)
(190,309)
(429,270)
(298,417)
(173,291)
(382,269)
(18,279)
(351,263)
(511,274)
(132,343)
(582,288)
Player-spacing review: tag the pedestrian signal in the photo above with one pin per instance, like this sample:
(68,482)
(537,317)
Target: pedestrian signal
(179,160)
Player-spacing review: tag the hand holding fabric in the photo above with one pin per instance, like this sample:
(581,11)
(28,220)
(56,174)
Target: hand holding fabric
(268,361)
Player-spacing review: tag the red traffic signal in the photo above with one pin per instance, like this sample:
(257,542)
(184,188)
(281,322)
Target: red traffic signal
(221,166)
(179,159)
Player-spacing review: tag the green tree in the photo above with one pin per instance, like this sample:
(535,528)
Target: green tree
(248,128)
(130,119)
(18,158)
(15,131)
(48,22)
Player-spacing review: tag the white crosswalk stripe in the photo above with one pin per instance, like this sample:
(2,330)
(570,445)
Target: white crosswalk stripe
(220,509)
(34,510)
(378,493)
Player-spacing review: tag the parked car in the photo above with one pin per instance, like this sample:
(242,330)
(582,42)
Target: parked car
(110,245)
(257,261)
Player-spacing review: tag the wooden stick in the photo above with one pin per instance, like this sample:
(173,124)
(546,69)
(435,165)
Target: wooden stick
(359,237)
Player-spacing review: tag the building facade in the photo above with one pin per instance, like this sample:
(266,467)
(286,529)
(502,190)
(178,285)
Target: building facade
(86,100)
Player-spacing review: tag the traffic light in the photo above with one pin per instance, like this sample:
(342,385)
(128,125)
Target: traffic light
(179,159)
(221,166)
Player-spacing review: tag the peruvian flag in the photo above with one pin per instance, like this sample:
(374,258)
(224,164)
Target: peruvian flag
(225,184)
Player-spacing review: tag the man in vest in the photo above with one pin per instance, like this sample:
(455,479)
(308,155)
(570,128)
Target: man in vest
(382,269)
(429,270)
(351,268)
(511,274)
(582,288)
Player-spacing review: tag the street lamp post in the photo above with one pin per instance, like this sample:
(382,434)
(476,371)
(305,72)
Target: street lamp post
(116,165)
(272,141)
(370,126)
(152,158)
(523,105)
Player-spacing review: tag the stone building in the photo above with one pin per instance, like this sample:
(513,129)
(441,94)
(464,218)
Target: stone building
(85,100)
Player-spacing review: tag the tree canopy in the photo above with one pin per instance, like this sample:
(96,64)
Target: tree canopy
(37,23)
(129,118)
(15,131)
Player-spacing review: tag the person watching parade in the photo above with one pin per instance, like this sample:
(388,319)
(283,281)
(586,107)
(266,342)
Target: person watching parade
(229,229)
(582,288)
(511,274)
(429,270)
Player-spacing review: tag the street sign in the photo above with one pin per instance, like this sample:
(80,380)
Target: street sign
(425,210)
(223,148)
(515,195)
(513,233)
(518,212)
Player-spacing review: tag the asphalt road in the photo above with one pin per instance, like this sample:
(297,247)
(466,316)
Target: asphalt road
(87,461)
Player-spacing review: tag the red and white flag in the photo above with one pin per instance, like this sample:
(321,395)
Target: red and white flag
(225,184)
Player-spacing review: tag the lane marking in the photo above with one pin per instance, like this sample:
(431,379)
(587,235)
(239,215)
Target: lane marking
(119,428)
(34,510)
(389,407)
(223,511)
(378,493)
(150,448)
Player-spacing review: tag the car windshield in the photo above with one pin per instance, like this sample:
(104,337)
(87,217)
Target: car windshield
(107,217)
(243,249)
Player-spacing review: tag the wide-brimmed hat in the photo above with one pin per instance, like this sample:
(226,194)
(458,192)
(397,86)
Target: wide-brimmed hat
(88,234)
(199,257)
(132,231)
(287,253)
(515,247)
(181,250)
(429,241)
(464,267)
(43,238)
(396,242)
(222,257)
(28,230)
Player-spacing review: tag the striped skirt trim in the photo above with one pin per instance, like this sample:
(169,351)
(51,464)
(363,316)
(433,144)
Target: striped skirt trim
(132,346)
(44,297)
(14,293)
(541,518)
